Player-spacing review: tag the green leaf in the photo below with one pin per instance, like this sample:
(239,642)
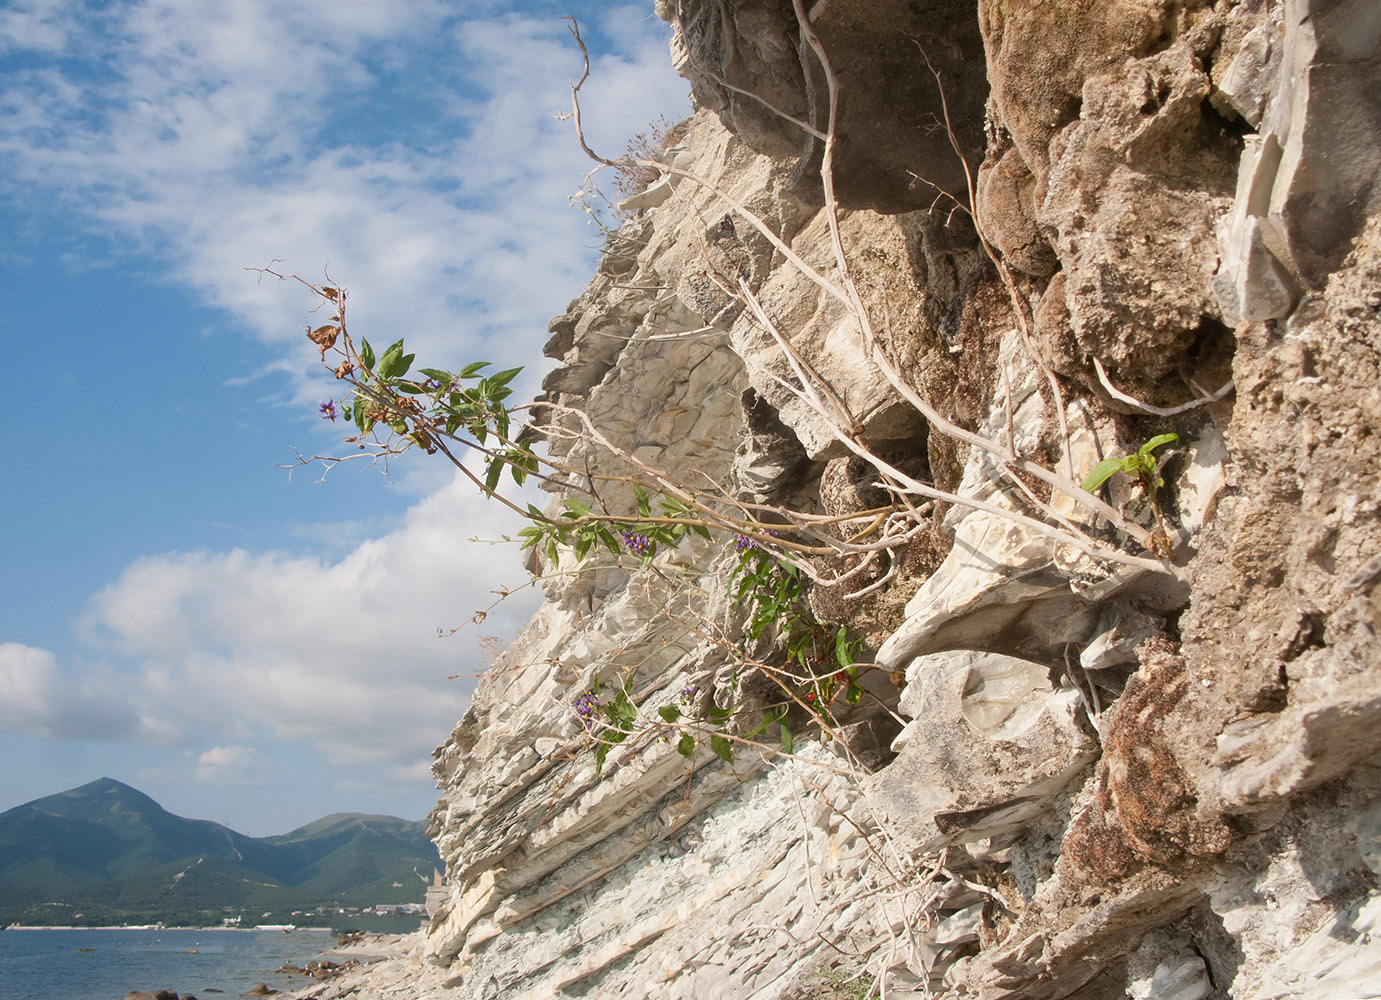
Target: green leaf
(718,714)
(491,477)
(723,748)
(1145,450)
(1101,472)
(767,719)
(685,746)
(842,654)
(784,734)
(437,375)
(644,507)
(391,357)
(504,377)
(576,508)
(621,711)
(366,354)
(853,692)
(473,369)
(582,545)
(605,741)
(669,713)
(551,551)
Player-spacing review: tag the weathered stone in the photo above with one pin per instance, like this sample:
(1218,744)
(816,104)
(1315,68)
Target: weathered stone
(1163,968)
(990,743)
(1145,806)
(1120,630)
(1006,209)
(770,463)
(1203,825)
(1247,84)
(747,62)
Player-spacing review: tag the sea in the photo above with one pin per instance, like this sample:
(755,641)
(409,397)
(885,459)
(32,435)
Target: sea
(106,963)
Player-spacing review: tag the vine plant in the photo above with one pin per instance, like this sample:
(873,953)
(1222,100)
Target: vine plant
(394,407)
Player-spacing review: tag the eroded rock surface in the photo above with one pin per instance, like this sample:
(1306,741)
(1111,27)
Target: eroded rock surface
(1069,777)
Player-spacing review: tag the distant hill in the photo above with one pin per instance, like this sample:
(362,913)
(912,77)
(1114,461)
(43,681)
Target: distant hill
(111,853)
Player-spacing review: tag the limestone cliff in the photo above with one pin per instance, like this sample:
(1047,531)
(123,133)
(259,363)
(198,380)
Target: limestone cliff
(1149,778)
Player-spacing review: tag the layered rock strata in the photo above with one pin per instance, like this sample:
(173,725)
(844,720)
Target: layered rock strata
(1096,779)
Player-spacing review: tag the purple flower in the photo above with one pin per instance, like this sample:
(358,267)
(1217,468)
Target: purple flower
(327,409)
(587,707)
(688,692)
(745,543)
(639,545)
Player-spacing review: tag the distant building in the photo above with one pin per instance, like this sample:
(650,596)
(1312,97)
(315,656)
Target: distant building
(436,894)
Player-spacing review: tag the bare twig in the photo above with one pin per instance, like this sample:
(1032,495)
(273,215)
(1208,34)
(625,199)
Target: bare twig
(1159,411)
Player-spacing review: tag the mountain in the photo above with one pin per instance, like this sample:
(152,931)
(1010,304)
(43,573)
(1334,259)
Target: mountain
(109,848)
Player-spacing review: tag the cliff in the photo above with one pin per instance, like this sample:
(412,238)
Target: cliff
(910,274)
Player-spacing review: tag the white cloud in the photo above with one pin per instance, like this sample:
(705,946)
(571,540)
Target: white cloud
(39,698)
(220,137)
(216,136)
(343,654)
(27,686)
(225,765)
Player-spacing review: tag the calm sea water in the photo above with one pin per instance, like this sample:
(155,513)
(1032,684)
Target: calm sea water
(107,964)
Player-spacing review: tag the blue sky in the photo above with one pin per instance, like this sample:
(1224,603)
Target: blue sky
(176,612)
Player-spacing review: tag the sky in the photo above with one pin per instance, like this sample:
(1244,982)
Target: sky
(248,644)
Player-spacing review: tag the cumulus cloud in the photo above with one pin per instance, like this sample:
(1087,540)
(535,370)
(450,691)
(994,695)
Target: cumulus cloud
(213,136)
(227,765)
(342,653)
(39,698)
(224,136)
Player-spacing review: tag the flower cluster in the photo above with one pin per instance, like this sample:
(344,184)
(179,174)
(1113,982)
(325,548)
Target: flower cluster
(687,693)
(327,409)
(587,707)
(745,543)
(639,545)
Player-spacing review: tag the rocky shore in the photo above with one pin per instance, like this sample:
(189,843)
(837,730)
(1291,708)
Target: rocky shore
(384,967)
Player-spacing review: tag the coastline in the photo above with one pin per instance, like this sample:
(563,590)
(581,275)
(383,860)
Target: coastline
(79,963)
(160,927)
(391,968)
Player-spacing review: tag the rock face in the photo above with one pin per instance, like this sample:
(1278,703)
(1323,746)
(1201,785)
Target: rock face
(1080,766)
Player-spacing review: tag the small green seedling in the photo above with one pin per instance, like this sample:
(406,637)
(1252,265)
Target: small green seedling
(1145,467)
(1142,465)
